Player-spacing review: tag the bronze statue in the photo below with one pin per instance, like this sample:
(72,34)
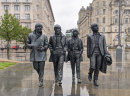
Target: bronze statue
(58,47)
(38,43)
(75,50)
(97,52)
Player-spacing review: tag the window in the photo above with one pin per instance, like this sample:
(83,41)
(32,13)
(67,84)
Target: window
(6,7)
(116,11)
(37,16)
(28,25)
(97,20)
(26,0)
(104,11)
(126,20)
(27,8)
(17,16)
(104,19)
(27,16)
(116,20)
(97,4)
(37,7)
(116,2)
(103,29)
(6,0)
(104,3)
(97,12)
(115,29)
(17,8)
(16,0)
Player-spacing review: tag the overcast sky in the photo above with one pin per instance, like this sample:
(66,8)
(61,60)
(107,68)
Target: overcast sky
(66,12)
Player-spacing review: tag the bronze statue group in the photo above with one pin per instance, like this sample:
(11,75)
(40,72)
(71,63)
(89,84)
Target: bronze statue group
(59,46)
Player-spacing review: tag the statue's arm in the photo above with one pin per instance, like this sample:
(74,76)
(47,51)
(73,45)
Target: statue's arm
(82,48)
(105,46)
(46,43)
(65,46)
(50,44)
(88,46)
(28,42)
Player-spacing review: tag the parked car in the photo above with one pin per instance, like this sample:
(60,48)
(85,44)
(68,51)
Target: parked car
(15,47)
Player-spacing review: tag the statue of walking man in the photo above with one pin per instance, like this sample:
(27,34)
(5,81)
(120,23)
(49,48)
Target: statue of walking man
(38,43)
(97,52)
(75,50)
(58,47)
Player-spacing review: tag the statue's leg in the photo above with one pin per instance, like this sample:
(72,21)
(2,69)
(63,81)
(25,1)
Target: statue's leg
(41,70)
(35,66)
(55,64)
(98,64)
(60,67)
(72,61)
(78,67)
(92,66)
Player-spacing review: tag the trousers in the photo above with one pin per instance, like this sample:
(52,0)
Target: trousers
(95,64)
(39,67)
(58,61)
(75,61)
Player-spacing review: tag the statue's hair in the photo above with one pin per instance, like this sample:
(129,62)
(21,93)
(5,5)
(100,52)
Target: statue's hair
(75,30)
(57,26)
(38,24)
(94,24)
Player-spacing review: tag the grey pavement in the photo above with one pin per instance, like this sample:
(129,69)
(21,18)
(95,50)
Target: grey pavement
(22,80)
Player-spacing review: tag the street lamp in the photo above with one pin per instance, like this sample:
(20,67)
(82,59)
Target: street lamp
(119,49)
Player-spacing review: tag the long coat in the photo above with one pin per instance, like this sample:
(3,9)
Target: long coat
(35,41)
(105,63)
(70,44)
(52,45)
(91,44)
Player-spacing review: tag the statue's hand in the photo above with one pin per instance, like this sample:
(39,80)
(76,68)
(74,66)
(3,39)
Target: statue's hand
(108,59)
(40,48)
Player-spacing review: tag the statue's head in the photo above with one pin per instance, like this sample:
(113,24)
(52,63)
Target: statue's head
(75,33)
(57,29)
(94,27)
(38,27)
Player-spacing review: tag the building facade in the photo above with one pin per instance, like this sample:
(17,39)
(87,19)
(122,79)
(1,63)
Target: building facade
(30,12)
(106,14)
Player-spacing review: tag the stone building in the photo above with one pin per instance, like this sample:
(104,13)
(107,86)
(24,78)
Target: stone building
(106,14)
(30,12)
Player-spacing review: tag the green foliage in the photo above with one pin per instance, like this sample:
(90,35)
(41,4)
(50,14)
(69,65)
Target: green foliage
(22,37)
(4,65)
(128,35)
(10,27)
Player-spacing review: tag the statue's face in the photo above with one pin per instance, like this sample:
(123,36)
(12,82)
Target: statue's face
(57,31)
(39,29)
(75,33)
(95,28)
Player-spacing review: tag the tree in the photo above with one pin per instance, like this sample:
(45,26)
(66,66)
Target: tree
(22,37)
(10,28)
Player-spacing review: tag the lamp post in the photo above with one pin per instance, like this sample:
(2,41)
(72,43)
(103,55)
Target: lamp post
(119,49)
